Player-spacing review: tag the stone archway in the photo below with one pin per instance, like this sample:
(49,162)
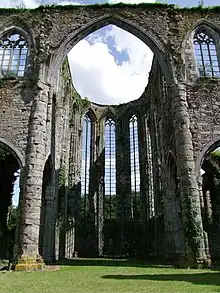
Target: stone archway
(150,38)
(10,163)
(210,198)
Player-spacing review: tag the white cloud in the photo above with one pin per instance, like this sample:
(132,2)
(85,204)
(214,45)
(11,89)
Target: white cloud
(131,1)
(9,3)
(16,3)
(70,3)
(31,4)
(97,75)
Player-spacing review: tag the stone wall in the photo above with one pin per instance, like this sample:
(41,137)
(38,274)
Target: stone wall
(42,116)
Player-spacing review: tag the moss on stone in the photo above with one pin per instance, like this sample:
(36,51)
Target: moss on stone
(117,5)
(192,229)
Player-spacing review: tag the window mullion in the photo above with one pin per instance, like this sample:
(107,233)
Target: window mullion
(3,56)
(210,59)
(203,63)
(19,59)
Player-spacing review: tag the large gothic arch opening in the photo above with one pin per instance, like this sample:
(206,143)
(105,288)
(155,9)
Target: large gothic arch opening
(149,38)
(109,209)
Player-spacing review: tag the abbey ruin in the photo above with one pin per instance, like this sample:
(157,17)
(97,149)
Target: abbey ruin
(171,211)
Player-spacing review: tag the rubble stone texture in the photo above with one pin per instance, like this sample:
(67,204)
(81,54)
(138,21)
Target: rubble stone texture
(41,125)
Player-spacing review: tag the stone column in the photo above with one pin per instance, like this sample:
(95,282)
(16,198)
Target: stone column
(123,178)
(47,232)
(123,172)
(99,186)
(31,206)
(74,182)
(191,212)
(143,168)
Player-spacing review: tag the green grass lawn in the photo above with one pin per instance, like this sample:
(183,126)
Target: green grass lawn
(105,276)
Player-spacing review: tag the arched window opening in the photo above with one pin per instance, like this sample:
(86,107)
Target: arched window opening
(85,169)
(150,171)
(110,170)
(135,168)
(13,55)
(206,55)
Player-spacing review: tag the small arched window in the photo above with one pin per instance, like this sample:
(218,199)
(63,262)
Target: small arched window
(135,167)
(13,55)
(110,170)
(206,53)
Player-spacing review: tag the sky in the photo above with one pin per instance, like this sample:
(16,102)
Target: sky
(115,64)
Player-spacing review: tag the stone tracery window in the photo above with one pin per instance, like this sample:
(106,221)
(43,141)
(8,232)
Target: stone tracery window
(85,168)
(110,170)
(206,54)
(135,167)
(13,55)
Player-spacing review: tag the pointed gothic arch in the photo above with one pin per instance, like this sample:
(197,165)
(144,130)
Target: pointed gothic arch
(147,36)
(17,46)
(8,145)
(188,48)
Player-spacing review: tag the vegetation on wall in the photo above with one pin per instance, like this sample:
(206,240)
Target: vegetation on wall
(192,229)
(117,5)
(3,154)
(214,158)
(77,103)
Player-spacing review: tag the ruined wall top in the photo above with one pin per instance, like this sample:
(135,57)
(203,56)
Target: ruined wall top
(54,30)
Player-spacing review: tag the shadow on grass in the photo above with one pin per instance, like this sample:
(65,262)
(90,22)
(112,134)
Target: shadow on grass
(198,279)
(114,263)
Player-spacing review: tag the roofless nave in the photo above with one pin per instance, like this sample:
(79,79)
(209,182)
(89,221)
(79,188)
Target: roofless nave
(153,200)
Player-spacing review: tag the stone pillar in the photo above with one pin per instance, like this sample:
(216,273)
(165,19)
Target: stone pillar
(31,206)
(143,171)
(99,192)
(123,171)
(74,183)
(55,163)
(191,212)
(47,231)
(123,178)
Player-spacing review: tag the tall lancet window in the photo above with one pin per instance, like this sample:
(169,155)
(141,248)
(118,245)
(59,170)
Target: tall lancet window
(150,171)
(110,170)
(86,155)
(206,54)
(13,55)
(135,168)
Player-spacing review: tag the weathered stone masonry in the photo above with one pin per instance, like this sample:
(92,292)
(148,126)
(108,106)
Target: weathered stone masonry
(178,124)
